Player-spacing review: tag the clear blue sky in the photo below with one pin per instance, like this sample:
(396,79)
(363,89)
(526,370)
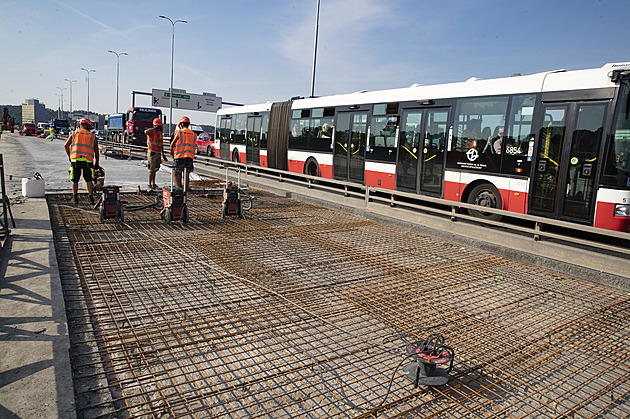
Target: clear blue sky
(251,51)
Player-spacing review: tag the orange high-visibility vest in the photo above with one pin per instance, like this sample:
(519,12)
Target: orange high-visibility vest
(154,141)
(186,144)
(82,145)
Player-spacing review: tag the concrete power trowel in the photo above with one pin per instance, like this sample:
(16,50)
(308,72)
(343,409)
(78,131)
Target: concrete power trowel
(110,204)
(175,208)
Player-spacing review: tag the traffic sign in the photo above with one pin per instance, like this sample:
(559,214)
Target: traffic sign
(206,102)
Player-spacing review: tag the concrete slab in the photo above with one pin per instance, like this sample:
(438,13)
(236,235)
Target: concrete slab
(35,375)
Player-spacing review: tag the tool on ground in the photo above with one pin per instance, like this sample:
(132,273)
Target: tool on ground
(433,362)
(110,204)
(235,199)
(175,208)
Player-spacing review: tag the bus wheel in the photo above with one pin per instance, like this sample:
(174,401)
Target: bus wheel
(485,195)
(311,167)
(235,156)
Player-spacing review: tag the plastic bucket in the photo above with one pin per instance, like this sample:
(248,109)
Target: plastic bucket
(33,188)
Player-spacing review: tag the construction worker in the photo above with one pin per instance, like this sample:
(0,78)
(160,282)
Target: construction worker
(155,150)
(183,149)
(82,150)
(51,131)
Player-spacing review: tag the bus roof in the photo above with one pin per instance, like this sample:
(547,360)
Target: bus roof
(261,107)
(548,81)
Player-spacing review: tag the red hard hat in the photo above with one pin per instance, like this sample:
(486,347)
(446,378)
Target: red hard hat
(184,119)
(157,121)
(86,122)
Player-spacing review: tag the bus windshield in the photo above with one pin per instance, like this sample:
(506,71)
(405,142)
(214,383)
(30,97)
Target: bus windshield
(617,172)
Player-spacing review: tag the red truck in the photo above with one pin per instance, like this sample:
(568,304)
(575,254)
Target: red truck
(128,128)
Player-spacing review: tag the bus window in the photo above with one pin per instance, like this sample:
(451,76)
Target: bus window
(478,124)
(520,131)
(617,169)
(239,129)
(382,141)
(320,137)
(298,137)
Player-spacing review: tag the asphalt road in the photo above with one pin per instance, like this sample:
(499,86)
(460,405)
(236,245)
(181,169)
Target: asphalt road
(25,155)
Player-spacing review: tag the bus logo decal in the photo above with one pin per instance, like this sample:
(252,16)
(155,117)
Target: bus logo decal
(472,154)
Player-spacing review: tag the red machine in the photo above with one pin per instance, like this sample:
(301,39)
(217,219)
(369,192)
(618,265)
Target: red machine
(175,208)
(231,201)
(111,206)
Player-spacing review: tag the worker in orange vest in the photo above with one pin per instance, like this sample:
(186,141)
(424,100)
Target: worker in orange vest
(82,150)
(155,150)
(183,149)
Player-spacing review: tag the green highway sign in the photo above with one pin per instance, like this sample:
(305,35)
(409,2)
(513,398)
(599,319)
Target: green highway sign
(177,95)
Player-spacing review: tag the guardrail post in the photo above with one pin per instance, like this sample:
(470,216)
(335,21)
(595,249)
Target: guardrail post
(453,213)
(537,228)
(310,184)
(345,190)
(391,201)
(280,177)
(367,195)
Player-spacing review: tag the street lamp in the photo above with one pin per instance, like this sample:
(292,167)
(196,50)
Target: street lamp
(61,99)
(117,72)
(171,91)
(70,81)
(59,96)
(88,82)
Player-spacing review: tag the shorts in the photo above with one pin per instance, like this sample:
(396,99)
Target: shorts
(183,163)
(154,159)
(76,167)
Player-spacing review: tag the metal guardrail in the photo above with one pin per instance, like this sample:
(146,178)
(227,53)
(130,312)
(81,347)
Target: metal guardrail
(535,227)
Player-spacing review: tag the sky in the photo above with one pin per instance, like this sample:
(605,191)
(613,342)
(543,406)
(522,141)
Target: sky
(254,51)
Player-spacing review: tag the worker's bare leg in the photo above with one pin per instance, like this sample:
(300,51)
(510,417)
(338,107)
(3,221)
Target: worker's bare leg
(177,179)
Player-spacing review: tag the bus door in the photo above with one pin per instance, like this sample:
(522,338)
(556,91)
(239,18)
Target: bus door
(567,157)
(421,145)
(252,149)
(225,126)
(349,146)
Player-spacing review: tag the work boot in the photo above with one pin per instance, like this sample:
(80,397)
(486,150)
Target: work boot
(91,199)
(75,199)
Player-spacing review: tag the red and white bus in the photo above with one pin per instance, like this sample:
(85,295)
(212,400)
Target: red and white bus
(554,144)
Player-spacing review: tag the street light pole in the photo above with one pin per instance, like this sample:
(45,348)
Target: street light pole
(58,109)
(315,50)
(70,81)
(61,98)
(117,72)
(170,120)
(88,92)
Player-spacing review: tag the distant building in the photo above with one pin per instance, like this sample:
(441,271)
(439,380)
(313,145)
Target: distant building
(33,111)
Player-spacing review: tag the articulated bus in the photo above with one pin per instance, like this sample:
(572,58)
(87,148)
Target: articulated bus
(554,144)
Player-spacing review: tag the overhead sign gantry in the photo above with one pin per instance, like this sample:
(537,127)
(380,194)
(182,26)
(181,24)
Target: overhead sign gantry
(206,102)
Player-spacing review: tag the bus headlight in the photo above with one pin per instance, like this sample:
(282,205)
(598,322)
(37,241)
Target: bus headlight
(622,210)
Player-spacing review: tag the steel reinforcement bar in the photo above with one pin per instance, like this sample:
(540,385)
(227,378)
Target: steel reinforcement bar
(303,311)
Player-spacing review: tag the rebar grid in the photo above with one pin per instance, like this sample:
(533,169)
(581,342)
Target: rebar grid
(302,311)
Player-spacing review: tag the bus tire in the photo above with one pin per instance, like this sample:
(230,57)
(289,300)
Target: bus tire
(311,167)
(235,158)
(485,195)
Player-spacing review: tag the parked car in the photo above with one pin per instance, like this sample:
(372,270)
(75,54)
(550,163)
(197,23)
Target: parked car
(204,143)
(100,134)
(29,129)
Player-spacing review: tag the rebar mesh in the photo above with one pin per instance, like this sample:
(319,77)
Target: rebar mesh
(303,311)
